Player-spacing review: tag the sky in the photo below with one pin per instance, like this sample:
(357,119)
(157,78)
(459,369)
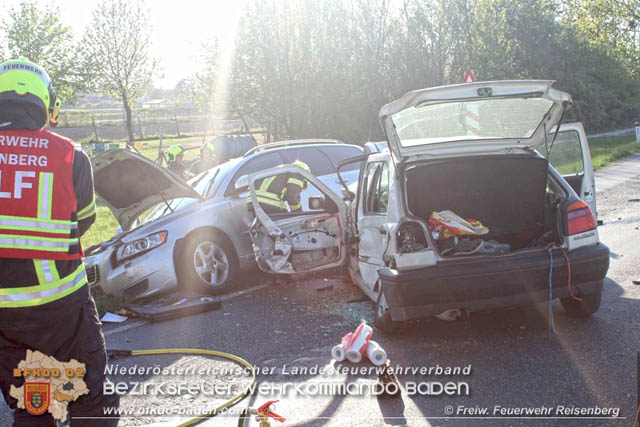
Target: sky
(179,29)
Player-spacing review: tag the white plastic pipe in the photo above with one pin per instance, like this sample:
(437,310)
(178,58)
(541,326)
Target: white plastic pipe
(376,354)
(339,351)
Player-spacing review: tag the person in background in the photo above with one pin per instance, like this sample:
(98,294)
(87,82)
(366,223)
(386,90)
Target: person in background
(175,160)
(207,158)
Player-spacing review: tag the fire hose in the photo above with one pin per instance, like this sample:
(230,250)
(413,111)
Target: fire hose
(114,354)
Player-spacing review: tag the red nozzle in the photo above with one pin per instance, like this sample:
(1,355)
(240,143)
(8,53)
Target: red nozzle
(265,411)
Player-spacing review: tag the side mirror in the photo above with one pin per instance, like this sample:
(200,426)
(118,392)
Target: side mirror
(317,203)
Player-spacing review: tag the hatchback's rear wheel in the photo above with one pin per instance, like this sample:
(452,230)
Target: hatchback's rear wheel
(383,319)
(585,308)
(207,264)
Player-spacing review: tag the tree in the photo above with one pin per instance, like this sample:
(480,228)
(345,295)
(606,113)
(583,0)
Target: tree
(39,35)
(613,25)
(116,49)
(202,84)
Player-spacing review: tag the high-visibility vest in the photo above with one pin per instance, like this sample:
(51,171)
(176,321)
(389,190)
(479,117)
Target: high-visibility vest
(302,183)
(270,192)
(50,287)
(38,206)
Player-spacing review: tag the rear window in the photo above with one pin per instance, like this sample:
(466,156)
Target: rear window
(317,162)
(337,154)
(486,118)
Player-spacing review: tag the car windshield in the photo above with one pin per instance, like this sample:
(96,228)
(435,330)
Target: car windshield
(205,183)
(475,119)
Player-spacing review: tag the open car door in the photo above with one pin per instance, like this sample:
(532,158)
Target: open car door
(570,156)
(293,242)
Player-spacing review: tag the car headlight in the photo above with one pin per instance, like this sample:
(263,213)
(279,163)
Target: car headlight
(140,246)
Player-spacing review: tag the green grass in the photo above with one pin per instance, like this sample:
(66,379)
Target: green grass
(106,302)
(605,151)
(102,229)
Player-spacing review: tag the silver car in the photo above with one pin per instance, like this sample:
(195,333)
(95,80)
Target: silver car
(194,235)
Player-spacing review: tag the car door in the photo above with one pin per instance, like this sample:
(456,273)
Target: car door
(571,157)
(372,220)
(236,196)
(294,242)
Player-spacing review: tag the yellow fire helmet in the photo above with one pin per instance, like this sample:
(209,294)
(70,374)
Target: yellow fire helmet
(27,85)
(208,146)
(302,165)
(174,151)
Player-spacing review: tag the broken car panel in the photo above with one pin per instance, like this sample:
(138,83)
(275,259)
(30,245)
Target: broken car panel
(290,243)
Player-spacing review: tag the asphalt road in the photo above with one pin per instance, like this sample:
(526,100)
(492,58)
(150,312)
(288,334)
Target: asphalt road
(514,362)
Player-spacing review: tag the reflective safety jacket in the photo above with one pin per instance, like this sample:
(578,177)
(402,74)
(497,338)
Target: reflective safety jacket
(276,191)
(291,193)
(38,205)
(271,191)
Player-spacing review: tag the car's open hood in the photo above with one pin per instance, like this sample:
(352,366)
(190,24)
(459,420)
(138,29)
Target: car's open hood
(495,115)
(130,184)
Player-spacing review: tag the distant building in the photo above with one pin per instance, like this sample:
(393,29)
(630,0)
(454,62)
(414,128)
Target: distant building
(158,103)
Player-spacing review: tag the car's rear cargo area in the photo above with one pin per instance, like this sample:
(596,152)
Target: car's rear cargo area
(506,193)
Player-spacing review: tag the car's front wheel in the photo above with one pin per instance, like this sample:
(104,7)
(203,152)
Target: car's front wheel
(383,319)
(585,308)
(207,264)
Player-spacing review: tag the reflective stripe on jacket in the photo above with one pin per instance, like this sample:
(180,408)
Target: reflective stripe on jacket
(38,205)
(270,191)
(51,286)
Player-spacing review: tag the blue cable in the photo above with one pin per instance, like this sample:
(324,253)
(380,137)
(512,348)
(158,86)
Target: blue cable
(552,326)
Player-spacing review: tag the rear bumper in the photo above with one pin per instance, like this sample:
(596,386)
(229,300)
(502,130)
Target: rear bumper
(482,283)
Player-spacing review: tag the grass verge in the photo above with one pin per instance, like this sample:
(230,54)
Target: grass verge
(605,151)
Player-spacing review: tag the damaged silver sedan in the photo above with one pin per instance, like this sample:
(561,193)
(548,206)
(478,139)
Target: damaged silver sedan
(194,235)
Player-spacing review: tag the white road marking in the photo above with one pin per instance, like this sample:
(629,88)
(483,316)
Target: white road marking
(222,298)
(124,328)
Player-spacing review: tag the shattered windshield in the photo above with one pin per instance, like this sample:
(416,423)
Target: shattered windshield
(493,118)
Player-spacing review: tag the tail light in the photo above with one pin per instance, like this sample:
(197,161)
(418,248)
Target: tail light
(579,218)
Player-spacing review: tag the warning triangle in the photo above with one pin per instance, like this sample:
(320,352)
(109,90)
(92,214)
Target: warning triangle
(469,77)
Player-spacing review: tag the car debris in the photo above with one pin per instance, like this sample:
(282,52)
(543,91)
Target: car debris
(113,318)
(187,306)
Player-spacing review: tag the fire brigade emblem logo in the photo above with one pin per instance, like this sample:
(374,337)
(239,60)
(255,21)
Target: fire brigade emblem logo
(36,398)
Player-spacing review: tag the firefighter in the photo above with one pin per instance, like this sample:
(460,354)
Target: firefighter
(295,186)
(207,158)
(47,203)
(275,192)
(175,160)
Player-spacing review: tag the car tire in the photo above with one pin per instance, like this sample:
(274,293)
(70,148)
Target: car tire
(382,317)
(207,264)
(585,308)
